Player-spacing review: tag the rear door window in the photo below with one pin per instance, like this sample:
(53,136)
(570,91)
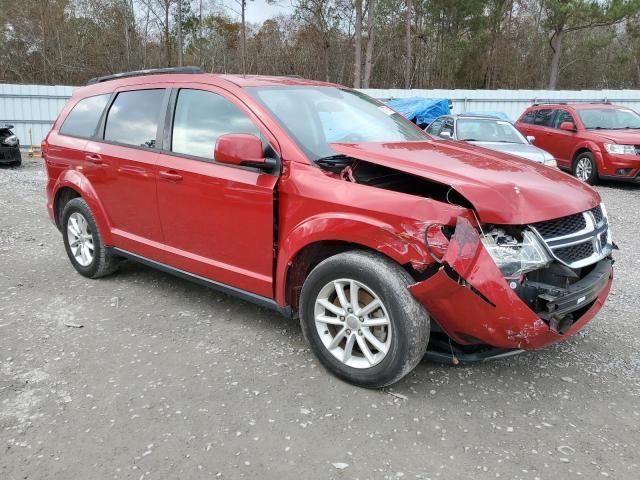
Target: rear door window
(134,117)
(529,117)
(543,117)
(83,119)
(200,118)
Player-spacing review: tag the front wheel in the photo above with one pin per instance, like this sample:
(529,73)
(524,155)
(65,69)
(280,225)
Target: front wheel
(585,168)
(361,320)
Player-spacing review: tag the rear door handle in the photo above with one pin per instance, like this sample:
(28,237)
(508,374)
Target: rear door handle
(170,176)
(94,158)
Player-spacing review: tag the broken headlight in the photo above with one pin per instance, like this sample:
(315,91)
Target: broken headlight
(515,256)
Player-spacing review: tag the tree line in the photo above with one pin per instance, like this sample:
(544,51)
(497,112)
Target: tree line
(573,44)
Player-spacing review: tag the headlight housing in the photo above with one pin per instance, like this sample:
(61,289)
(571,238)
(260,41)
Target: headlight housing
(620,149)
(513,256)
(11,140)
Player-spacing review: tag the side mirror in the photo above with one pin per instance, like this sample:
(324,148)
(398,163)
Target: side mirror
(531,139)
(445,134)
(568,126)
(244,150)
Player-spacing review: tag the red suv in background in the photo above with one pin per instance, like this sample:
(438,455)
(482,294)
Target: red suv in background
(592,140)
(321,203)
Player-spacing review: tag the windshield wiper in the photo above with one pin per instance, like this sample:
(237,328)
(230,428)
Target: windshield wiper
(335,163)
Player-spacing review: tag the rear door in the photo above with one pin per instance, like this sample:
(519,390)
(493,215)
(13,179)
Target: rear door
(120,164)
(217,219)
(541,128)
(563,140)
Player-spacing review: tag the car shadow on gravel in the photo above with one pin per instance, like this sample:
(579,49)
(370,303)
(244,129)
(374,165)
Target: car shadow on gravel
(179,294)
(182,293)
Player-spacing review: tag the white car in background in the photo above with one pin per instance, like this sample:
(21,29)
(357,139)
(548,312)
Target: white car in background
(489,132)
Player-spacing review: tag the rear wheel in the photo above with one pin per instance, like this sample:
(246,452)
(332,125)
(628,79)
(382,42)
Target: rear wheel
(585,168)
(361,320)
(83,242)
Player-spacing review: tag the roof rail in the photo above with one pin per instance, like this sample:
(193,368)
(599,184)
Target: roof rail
(140,73)
(549,103)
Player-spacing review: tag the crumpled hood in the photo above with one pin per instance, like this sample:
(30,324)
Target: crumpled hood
(502,189)
(623,137)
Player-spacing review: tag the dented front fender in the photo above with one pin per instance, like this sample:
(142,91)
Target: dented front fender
(472,302)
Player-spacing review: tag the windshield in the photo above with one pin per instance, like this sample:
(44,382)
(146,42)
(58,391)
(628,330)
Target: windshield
(318,116)
(609,118)
(488,130)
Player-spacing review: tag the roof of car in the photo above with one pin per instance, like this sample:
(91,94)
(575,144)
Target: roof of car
(575,105)
(477,117)
(109,83)
(264,81)
(193,72)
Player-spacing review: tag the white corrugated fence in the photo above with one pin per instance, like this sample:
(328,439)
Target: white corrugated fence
(32,107)
(35,107)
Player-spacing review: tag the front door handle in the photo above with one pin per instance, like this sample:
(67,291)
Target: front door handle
(170,175)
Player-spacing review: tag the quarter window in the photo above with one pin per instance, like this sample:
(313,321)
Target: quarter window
(134,117)
(83,119)
(200,118)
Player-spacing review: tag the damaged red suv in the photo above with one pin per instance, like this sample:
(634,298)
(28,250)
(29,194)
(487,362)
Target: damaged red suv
(321,203)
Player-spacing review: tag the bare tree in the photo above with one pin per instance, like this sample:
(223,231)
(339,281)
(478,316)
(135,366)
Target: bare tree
(180,62)
(371,27)
(357,62)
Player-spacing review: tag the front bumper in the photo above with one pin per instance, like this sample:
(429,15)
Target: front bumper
(9,154)
(623,168)
(471,301)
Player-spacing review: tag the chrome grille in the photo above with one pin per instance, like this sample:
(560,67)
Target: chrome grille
(579,239)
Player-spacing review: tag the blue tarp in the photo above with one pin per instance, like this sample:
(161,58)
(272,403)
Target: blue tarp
(420,110)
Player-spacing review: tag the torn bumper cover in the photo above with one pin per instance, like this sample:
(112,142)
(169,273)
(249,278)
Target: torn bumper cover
(474,304)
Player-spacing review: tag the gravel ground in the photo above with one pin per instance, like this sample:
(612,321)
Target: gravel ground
(167,379)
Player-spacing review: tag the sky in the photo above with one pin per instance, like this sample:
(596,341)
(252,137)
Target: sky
(258,10)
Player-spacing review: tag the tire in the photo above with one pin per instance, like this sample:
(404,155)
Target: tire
(585,168)
(403,340)
(100,262)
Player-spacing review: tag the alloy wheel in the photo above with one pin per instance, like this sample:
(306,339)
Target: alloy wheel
(584,169)
(80,239)
(353,323)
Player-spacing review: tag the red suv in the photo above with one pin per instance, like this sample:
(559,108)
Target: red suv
(320,202)
(592,140)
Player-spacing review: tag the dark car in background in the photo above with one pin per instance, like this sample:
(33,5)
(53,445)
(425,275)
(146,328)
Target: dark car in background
(592,140)
(490,132)
(9,146)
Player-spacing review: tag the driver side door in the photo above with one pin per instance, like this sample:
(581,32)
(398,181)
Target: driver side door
(217,219)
